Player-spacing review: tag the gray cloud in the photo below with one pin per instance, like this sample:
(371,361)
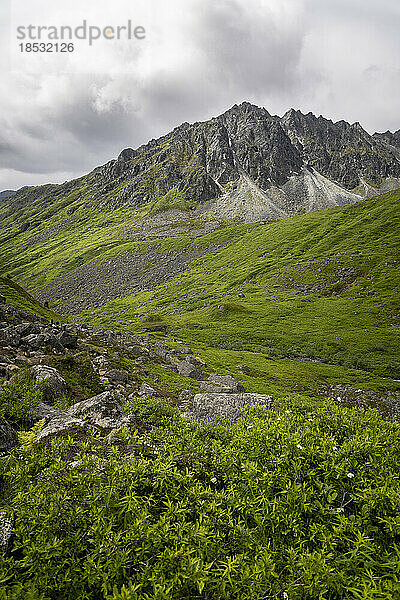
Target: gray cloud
(336,58)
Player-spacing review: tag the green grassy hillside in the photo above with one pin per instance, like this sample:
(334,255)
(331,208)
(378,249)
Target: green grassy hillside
(306,302)
(322,287)
(16,296)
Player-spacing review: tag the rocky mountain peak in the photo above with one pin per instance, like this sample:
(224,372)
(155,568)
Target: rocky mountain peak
(246,163)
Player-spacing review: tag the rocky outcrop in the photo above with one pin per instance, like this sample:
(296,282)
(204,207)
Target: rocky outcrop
(52,382)
(102,411)
(225,384)
(60,426)
(229,407)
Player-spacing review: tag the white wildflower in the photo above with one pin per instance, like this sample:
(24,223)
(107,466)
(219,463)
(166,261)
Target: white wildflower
(334,448)
(350,475)
(300,447)
(213,480)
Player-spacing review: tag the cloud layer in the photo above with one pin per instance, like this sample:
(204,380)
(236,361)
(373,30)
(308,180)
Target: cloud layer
(62,115)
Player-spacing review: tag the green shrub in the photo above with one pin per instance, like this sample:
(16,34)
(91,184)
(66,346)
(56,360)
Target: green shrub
(304,500)
(79,374)
(150,410)
(18,399)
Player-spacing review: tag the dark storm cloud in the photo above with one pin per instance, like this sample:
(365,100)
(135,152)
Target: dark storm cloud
(332,57)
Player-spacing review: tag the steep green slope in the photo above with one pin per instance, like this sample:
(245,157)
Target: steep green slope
(323,286)
(16,296)
(306,302)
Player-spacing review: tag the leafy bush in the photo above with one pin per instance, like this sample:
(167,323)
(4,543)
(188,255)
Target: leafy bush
(303,501)
(18,399)
(79,374)
(150,410)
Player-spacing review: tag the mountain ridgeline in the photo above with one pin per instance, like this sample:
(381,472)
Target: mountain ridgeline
(244,164)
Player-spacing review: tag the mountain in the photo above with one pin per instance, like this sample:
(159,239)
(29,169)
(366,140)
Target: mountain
(249,164)
(7,194)
(244,164)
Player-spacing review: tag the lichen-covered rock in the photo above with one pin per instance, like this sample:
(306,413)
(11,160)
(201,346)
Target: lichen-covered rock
(227,406)
(148,390)
(53,383)
(44,411)
(6,530)
(8,436)
(58,427)
(102,411)
(117,376)
(189,370)
(222,383)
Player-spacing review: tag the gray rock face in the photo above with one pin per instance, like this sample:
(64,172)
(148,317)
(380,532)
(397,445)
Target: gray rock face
(6,529)
(54,384)
(102,411)
(68,340)
(148,390)
(117,376)
(247,140)
(44,411)
(341,151)
(222,383)
(59,426)
(8,436)
(227,406)
(188,370)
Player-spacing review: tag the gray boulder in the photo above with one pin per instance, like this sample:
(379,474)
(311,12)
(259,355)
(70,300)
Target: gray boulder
(58,427)
(9,337)
(196,361)
(186,350)
(117,376)
(148,390)
(6,530)
(222,383)
(67,340)
(42,340)
(189,370)
(53,383)
(185,396)
(102,411)
(8,436)
(24,329)
(227,406)
(44,411)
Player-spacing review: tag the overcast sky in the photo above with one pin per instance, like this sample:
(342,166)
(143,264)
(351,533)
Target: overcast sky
(63,114)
